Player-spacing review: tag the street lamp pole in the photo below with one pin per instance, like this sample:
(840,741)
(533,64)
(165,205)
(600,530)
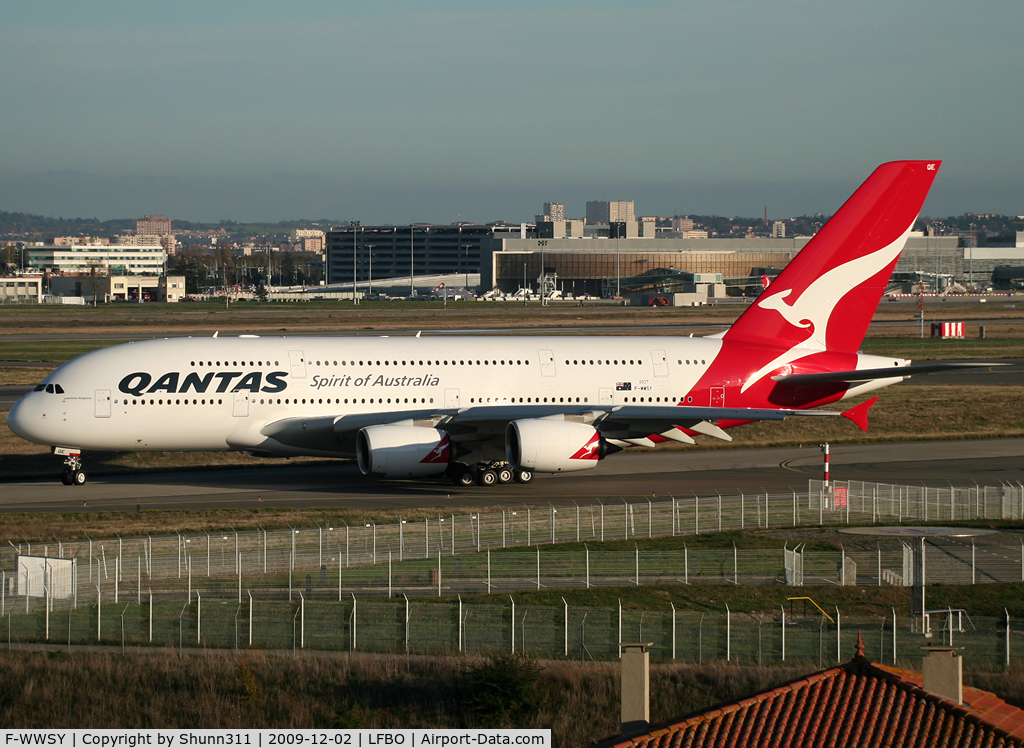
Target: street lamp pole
(369,254)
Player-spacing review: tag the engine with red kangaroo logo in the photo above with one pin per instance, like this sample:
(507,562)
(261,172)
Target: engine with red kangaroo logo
(550,446)
(402,451)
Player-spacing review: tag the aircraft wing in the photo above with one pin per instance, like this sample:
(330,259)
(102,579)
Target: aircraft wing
(867,375)
(335,435)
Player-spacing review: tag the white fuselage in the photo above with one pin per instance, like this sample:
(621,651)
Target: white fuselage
(217,393)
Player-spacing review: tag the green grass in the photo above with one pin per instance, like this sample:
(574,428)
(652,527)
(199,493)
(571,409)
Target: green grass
(55,351)
(929,348)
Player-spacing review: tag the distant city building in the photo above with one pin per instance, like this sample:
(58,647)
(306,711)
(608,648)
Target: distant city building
(779,230)
(555,210)
(97,259)
(695,234)
(682,224)
(614,211)
(378,252)
(152,226)
(21,289)
(104,288)
(70,241)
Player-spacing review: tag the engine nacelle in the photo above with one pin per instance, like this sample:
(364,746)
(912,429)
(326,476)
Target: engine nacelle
(548,446)
(402,451)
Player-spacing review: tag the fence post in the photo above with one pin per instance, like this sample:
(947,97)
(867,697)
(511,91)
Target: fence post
(407,621)
(602,521)
(673,514)
(735,565)
(766,512)
(719,512)
(894,636)
(199,617)
(250,618)
(566,609)
(794,505)
(839,629)
(686,564)
(513,624)
(620,627)
(389,571)
(696,515)
(637,550)
(974,566)
(488,570)
(355,640)
(879,546)
(460,613)
(650,519)
(538,566)
(577,522)
(587,551)
(783,607)
(1007,663)
(673,631)
(138,589)
(439,571)
(302,621)
(743,511)
(728,634)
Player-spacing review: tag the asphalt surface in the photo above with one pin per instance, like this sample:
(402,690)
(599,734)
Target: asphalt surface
(632,476)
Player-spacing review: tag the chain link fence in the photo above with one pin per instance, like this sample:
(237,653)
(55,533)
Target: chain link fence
(420,627)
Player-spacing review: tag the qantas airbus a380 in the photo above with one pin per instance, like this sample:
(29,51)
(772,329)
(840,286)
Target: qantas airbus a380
(493,409)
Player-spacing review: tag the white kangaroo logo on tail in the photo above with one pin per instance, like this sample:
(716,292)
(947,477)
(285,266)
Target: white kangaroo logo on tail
(813,308)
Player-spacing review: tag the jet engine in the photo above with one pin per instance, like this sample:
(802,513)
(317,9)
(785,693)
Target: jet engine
(549,446)
(402,451)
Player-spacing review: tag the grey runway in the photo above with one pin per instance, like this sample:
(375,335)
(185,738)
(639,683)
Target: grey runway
(679,473)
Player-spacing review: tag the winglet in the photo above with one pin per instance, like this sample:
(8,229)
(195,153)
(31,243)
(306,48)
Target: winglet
(859,413)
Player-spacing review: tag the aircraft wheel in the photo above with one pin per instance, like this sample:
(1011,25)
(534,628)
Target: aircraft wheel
(523,476)
(78,477)
(65,477)
(464,478)
(505,475)
(487,477)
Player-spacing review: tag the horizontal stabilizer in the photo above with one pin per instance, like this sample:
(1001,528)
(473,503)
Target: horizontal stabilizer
(868,375)
(859,413)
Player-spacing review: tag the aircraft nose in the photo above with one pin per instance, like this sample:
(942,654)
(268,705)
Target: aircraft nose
(22,416)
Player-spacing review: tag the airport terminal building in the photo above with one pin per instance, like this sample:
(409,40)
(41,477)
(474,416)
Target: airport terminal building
(612,262)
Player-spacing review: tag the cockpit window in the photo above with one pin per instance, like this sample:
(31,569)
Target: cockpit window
(58,389)
(39,388)
(49,388)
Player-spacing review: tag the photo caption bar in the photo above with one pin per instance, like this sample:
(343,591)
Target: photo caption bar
(440,738)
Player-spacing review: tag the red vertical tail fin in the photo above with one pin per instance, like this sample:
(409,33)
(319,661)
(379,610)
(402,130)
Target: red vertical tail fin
(824,299)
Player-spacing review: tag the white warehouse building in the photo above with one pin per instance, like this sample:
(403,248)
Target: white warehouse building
(114,259)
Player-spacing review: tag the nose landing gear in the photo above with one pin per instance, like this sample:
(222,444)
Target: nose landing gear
(72,474)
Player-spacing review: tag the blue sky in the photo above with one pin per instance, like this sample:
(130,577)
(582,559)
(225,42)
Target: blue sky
(412,111)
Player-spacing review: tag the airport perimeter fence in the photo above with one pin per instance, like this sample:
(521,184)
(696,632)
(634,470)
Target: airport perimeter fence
(514,549)
(411,626)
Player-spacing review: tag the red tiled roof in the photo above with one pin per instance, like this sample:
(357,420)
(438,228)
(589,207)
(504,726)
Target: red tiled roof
(856,704)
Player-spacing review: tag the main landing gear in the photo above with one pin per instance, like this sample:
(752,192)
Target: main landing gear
(72,474)
(487,474)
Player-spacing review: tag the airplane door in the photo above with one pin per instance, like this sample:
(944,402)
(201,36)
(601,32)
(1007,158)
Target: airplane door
(451,398)
(718,397)
(102,400)
(660,362)
(605,396)
(240,405)
(298,364)
(547,362)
